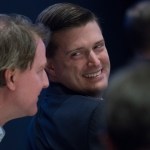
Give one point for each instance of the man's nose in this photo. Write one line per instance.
(93, 59)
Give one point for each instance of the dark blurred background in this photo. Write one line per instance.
(111, 15)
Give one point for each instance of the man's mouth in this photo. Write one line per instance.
(93, 74)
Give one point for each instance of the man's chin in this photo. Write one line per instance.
(33, 111)
(94, 92)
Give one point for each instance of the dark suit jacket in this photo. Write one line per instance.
(66, 121)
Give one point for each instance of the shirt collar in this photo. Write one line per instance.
(2, 133)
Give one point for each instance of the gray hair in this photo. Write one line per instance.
(18, 42)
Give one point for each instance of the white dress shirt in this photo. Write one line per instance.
(2, 133)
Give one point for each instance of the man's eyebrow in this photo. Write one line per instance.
(43, 65)
(101, 41)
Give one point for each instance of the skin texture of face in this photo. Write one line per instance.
(29, 83)
(81, 62)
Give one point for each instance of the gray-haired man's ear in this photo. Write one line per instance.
(10, 78)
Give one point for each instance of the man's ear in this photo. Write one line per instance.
(50, 68)
(10, 78)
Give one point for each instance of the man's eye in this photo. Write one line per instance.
(75, 54)
(99, 46)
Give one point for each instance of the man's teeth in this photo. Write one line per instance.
(91, 75)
